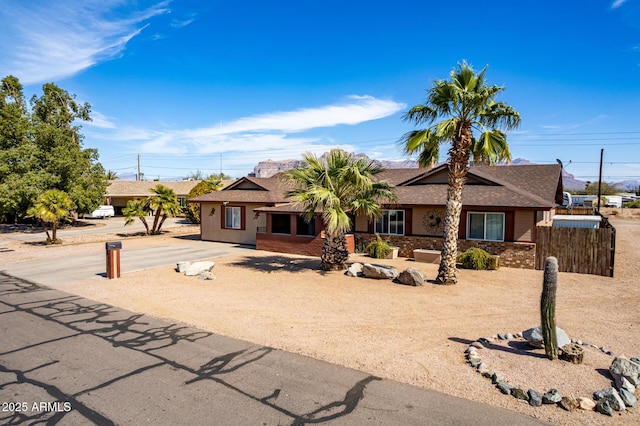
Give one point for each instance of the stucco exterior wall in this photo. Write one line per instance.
(211, 224)
(428, 221)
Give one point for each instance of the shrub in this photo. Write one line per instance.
(378, 248)
(477, 258)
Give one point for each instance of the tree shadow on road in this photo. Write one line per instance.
(75, 317)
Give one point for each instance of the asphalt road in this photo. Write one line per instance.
(72, 361)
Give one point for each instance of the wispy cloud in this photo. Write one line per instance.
(52, 40)
(283, 131)
(617, 3)
(100, 121)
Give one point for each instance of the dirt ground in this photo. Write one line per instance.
(415, 335)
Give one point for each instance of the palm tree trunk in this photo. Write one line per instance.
(334, 252)
(155, 229)
(164, 217)
(459, 155)
(144, 222)
(54, 232)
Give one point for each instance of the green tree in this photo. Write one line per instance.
(605, 189)
(41, 149)
(164, 202)
(192, 211)
(137, 209)
(335, 189)
(53, 206)
(465, 104)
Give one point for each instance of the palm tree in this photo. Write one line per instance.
(139, 209)
(466, 104)
(52, 207)
(111, 175)
(164, 202)
(341, 186)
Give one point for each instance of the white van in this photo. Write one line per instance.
(103, 212)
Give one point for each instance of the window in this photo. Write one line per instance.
(280, 224)
(485, 226)
(391, 223)
(182, 201)
(304, 228)
(233, 217)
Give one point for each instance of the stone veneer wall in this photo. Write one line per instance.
(512, 254)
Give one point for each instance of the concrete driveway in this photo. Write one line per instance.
(80, 267)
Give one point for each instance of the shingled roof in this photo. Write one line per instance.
(142, 188)
(526, 186)
(251, 190)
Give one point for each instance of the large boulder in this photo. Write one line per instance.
(197, 268)
(622, 367)
(379, 272)
(534, 337)
(412, 276)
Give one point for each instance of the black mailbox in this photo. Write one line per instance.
(113, 245)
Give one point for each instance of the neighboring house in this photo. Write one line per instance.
(501, 208)
(119, 192)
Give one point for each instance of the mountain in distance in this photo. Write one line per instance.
(269, 168)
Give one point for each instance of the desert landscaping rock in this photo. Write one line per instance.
(534, 337)
(535, 399)
(612, 397)
(504, 388)
(354, 270)
(604, 407)
(497, 378)
(569, 403)
(623, 383)
(197, 268)
(182, 266)
(628, 398)
(551, 397)
(379, 272)
(508, 336)
(519, 393)
(623, 367)
(586, 404)
(206, 275)
(412, 277)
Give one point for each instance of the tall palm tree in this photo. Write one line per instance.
(472, 121)
(51, 207)
(139, 209)
(335, 188)
(164, 202)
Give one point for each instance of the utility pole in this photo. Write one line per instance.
(138, 176)
(600, 179)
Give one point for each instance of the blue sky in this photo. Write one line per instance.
(221, 85)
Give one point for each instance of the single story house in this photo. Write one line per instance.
(501, 208)
(119, 192)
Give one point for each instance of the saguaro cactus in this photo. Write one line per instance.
(548, 307)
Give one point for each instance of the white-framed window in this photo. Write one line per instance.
(485, 226)
(390, 223)
(233, 217)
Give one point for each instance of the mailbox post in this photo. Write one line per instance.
(113, 259)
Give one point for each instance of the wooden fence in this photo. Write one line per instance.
(580, 250)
